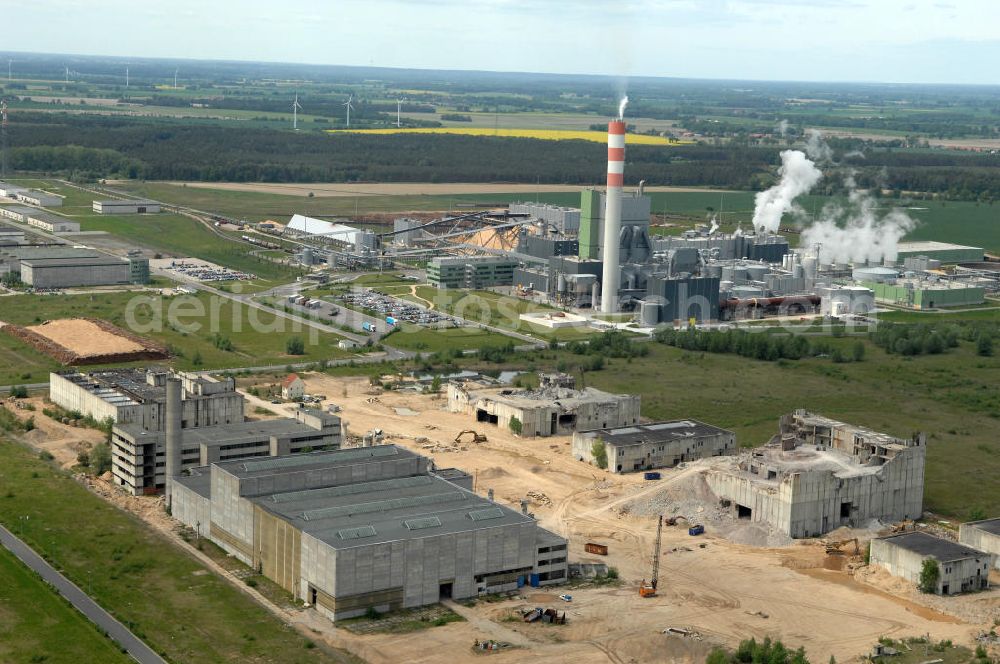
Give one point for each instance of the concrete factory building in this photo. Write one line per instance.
(126, 207)
(944, 252)
(367, 528)
(961, 568)
(983, 535)
(473, 272)
(10, 236)
(656, 445)
(555, 408)
(818, 474)
(138, 397)
(139, 455)
(840, 300)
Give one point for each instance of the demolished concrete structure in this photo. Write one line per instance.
(819, 474)
(655, 445)
(555, 408)
(983, 535)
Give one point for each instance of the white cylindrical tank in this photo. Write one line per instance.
(595, 295)
(877, 274)
(561, 284)
(649, 313)
(809, 267)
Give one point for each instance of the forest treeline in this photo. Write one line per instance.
(88, 146)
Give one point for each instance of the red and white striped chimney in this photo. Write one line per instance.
(613, 216)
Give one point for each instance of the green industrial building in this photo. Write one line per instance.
(473, 272)
(920, 294)
(941, 251)
(635, 212)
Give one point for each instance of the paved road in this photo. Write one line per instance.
(79, 599)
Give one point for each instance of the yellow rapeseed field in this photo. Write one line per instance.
(543, 134)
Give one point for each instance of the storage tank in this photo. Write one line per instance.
(809, 267)
(649, 313)
(756, 272)
(595, 296)
(713, 270)
(561, 284)
(877, 274)
(307, 256)
(747, 292)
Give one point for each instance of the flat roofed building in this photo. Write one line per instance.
(366, 528)
(549, 410)
(52, 223)
(983, 535)
(139, 455)
(75, 272)
(961, 568)
(656, 445)
(11, 236)
(40, 198)
(126, 207)
(945, 252)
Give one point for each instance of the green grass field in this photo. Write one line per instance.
(20, 363)
(171, 601)
(257, 338)
(425, 340)
(38, 625)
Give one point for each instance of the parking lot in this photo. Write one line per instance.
(398, 309)
(195, 269)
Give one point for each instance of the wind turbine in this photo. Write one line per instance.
(295, 112)
(175, 79)
(126, 76)
(349, 107)
(9, 63)
(399, 107)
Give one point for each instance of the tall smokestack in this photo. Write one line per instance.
(173, 433)
(613, 215)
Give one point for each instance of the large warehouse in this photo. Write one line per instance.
(555, 408)
(367, 528)
(46, 221)
(983, 535)
(818, 474)
(126, 207)
(960, 568)
(654, 445)
(941, 251)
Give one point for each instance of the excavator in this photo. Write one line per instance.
(833, 548)
(476, 436)
(649, 589)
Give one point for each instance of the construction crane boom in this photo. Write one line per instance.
(649, 589)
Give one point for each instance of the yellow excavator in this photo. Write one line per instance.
(649, 589)
(476, 436)
(834, 548)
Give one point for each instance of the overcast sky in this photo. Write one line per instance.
(822, 40)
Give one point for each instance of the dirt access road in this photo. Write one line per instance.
(724, 591)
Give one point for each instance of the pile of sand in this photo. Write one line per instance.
(85, 338)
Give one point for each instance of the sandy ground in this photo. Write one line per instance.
(85, 338)
(723, 591)
(398, 189)
(62, 441)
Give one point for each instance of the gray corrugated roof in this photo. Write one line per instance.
(391, 511)
(225, 434)
(96, 261)
(937, 547)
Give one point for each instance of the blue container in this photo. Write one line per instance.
(520, 581)
(651, 476)
(534, 581)
(696, 530)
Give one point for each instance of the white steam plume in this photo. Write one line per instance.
(798, 175)
(622, 103)
(816, 147)
(855, 233)
(783, 127)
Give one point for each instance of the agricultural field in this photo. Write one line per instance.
(38, 625)
(540, 134)
(170, 600)
(202, 331)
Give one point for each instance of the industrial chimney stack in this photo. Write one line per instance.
(173, 433)
(613, 215)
